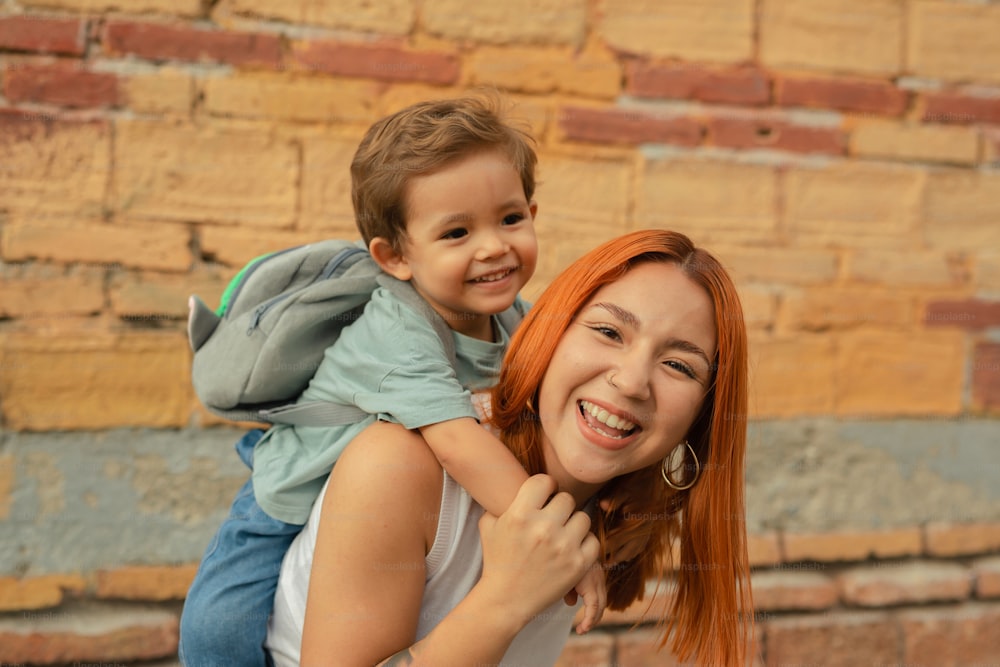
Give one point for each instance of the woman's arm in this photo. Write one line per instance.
(379, 519)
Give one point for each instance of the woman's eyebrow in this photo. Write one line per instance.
(619, 313)
(631, 319)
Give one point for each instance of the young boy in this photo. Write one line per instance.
(442, 193)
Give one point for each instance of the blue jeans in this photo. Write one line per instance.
(224, 622)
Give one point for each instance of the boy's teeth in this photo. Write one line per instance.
(605, 417)
(492, 277)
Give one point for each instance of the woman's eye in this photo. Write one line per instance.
(607, 332)
(513, 218)
(682, 367)
(456, 233)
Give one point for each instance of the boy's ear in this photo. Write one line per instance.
(388, 259)
(533, 207)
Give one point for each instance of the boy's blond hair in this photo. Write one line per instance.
(420, 139)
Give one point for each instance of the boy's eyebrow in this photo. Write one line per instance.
(463, 216)
(630, 318)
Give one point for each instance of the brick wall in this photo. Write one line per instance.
(840, 157)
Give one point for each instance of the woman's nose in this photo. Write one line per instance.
(630, 376)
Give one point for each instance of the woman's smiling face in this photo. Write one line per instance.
(628, 377)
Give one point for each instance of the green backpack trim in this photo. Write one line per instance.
(234, 284)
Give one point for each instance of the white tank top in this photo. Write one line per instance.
(453, 566)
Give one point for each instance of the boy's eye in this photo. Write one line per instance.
(513, 218)
(456, 233)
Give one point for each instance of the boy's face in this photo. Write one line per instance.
(470, 244)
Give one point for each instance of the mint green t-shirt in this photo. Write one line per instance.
(391, 364)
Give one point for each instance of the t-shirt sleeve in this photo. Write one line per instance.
(391, 363)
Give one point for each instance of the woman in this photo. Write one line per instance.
(626, 385)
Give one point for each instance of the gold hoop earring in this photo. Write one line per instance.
(666, 469)
(530, 404)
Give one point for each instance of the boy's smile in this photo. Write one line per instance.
(471, 243)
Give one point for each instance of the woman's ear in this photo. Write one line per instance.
(388, 259)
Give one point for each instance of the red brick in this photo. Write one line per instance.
(967, 314)
(620, 126)
(986, 375)
(774, 134)
(886, 584)
(952, 107)
(779, 590)
(951, 636)
(159, 41)
(724, 86)
(986, 572)
(62, 84)
(377, 62)
(88, 634)
(963, 539)
(832, 640)
(590, 650)
(877, 97)
(44, 35)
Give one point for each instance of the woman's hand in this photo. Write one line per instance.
(537, 550)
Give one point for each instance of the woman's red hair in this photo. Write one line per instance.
(710, 620)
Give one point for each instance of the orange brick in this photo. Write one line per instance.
(907, 268)
(42, 289)
(135, 296)
(161, 247)
(393, 17)
(900, 374)
(590, 650)
(954, 41)
(37, 592)
(166, 91)
(710, 200)
(549, 21)
(53, 166)
(712, 31)
(832, 35)
(951, 636)
(326, 186)
(915, 143)
(791, 377)
(777, 264)
(763, 549)
(206, 173)
(544, 71)
(886, 584)
(760, 305)
(107, 634)
(961, 209)
(853, 204)
(779, 590)
(962, 539)
(833, 308)
(294, 97)
(986, 573)
(176, 7)
(853, 545)
(87, 378)
(835, 638)
(146, 582)
(235, 246)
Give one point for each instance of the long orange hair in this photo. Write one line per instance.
(710, 619)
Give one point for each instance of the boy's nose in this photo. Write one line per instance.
(492, 245)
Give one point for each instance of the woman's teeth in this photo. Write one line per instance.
(608, 419)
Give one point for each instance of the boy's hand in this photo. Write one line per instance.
(595, 597)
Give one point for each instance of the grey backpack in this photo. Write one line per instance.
(255, 355)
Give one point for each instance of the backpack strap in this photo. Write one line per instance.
(322, 413)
